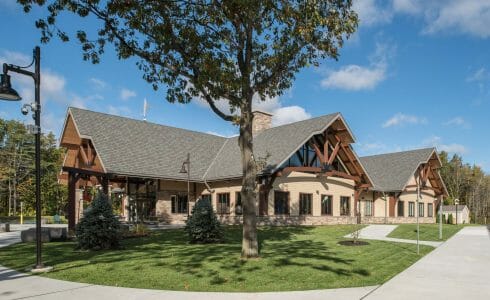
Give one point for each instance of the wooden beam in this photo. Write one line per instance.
(319, 153)
(424, 188)
(84, 155)
(288, 170)
(85, 171)
(335, 173)
(351, 158)
(334, 154)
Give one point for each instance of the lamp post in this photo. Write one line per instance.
(188, 171)
(440, 217)
(456, 201)
(9, 94)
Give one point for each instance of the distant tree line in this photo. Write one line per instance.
(17, 171)
(469, 184)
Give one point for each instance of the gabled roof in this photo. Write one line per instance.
(392, 171)
(275, 144)
(452, 208)
(138, 148)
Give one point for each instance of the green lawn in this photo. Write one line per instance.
(428, 232)
(292, 258)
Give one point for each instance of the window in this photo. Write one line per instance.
(430, 210)
(344, 206)
(421, 209)
(368, 209)
(401, 208)
(179, 204)
(281, 203)
(238, 203)
(327, 205)
(411, 209)
(305, 202)
(223, 203)
(206, 197)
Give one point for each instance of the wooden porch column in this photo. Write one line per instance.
(72, 181)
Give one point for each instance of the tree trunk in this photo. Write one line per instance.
(250, 246)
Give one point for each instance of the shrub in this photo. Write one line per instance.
(444, 219)
(99, 228)
(203, 225)
(450, 219)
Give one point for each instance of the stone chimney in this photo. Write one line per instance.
(261, 121)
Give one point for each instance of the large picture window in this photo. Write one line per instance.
(401, 208)
(344, 206)
(179, 204)
(327, 205)
(281, 203)
(430, 210)
(421, 209)
(223, 203)
(368, 209)
(305, 203)
(411, 209)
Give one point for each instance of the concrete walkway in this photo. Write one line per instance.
(458, 269)
(380, 232)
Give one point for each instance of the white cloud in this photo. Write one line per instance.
(436, 141)
(370, 12)
(465, 16)
(400, 119)
(289, 114)
(221, 134)
(126, 94)
(470, 17)
(458, 121)
(478, 76)
(98, 83)
(280, 114)
(355, 77)
(118, 110)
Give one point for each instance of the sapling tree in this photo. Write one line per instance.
(216, 50)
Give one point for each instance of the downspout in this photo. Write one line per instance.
(386, 208)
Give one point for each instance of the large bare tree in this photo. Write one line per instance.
(218, 50)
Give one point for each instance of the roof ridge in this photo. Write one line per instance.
(147, 122)
(398, 152)
(215, 158)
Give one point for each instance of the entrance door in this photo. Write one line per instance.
(391, 206)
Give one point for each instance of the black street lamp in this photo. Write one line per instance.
(9, 94)
(188, 171)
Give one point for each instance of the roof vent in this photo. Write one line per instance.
(261, 121)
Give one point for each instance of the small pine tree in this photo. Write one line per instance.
(450, 219)
(444, 219)
(437, 218)
(203, 225)
(99, 228)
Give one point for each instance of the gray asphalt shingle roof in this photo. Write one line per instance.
(138, 148)
(391, 171)
(452, 208)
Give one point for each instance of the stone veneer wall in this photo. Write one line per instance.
(310, 220)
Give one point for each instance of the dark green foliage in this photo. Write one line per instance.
(450, 219)
(444, 219)
(203, 226)
(99, 228)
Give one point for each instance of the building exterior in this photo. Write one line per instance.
(461, 213)
(308, 172)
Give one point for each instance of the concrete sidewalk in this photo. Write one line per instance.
(380, 232)
(458, 269)
(14, 285)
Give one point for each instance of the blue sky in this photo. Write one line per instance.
(416, 74)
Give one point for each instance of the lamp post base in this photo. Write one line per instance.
(41, 269)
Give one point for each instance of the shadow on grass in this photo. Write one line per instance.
(169, 251)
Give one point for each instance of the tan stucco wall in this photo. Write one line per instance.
(296, 183)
